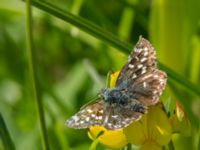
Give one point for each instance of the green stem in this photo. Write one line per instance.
(109, 38)
(129, 146)
(171, 145)
(34, 83)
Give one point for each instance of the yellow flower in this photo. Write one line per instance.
(151, 145)
(152, 131)
(112, 79)
(112, 139)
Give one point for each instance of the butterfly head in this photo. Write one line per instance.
(104, 94)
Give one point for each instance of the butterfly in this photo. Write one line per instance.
(138, 86)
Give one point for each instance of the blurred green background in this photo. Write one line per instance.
(71, 62)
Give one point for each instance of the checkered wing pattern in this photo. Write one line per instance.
(102, 114)
(119, 116)
(91, 114)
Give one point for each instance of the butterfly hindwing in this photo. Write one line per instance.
(119, 116)
(91, 114)
(149, 86)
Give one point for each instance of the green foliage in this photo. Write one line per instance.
(66, 33)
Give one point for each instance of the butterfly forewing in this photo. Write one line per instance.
(144, 81)
(142, 57)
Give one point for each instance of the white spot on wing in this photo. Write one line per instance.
(109, 124)
(127, 119)
(134, 76)
(114, 116)
(116, 126)
(124, 122)
(144, 84)
(143, 59)
(154, 92)
(143, 70)
(93, 115)
(89, 110)
(137, 50)
(147, 76)
(75, 118)
(87, 119)
(156, 76)
(145, 49)
(100, 117)
(131, 66)
(145, 53)
(136, 58)
(140, 66)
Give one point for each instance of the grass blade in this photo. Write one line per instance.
(84, 24)
(5, 136)
(181, 80)
(33, 80)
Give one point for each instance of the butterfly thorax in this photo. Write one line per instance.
(114, 96)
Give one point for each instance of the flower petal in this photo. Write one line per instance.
(113, 78)
(136, 132)
(150, 145)
(159, 127)
(153, 126)
(112, 139)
